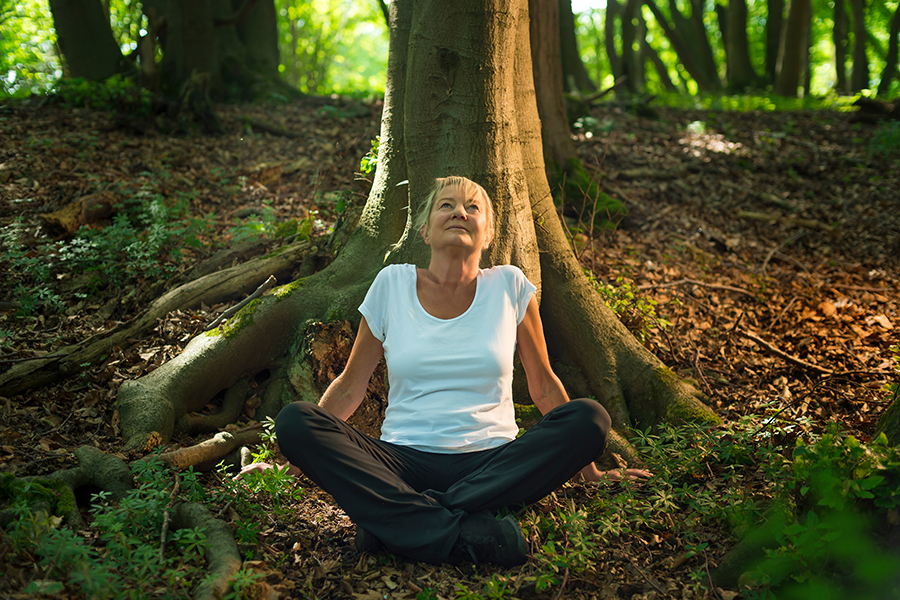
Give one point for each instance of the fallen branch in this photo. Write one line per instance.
(783, 354)
(166, 519)
(779, 218)
(715, 286)
(207, 454)
(267, 285)
(209, 290)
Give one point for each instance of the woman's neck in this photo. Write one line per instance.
(452, 271)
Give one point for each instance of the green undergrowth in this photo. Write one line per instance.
(821, 498)
(144, 242)
(754, 102)
(637, 312)
(123, 553)
(119, 93)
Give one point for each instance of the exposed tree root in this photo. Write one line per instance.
(232, 405)
(222, 555)
(207, 454)
(209, 289)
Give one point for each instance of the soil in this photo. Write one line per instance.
(769, 240)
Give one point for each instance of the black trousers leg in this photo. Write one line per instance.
(366, 478)
(522, 472)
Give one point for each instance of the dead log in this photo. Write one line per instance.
(80, 212)
(210, 289)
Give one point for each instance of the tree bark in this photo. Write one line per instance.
(839, 37)
(575, 76)
(86, 39)
(259, 34)
(890, 61)
(740, 73)
(793, 48)
(460, 99)
(859, 77)
(613, 12)
(689, 46)
(774, 23)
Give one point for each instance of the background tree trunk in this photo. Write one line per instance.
(839, 37)
(774, 24)
(689, 46)
(793, 48)
(460, 99)
(859, 77)
(890, 61)
(575, 76)
(737, 49)
(259, 34)
(613, 13)
(85, 39)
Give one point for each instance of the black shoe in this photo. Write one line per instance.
(366, 542)
(484, 539)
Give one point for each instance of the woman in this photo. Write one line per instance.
(448, 456)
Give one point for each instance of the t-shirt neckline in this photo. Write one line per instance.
(418, 303)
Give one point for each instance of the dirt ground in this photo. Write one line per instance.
(770, 242)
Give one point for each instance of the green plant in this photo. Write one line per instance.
(242, 583)
(369, 162)
(885, 142)
(118, 93)
(637, 312)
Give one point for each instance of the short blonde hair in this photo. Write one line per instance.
(470, 188)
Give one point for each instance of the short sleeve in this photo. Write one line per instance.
(374, 306)
(524, 289)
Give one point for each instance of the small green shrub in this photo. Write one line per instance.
(885, 142)
(637, 312)
(118, 93)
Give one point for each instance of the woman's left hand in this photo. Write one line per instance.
(593, 475)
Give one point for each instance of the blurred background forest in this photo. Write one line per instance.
(679, 48)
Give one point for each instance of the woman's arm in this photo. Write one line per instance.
(347, 391)
(544, 387)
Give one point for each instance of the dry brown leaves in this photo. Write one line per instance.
(815, 279)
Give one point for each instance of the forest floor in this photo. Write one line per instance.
(770, 241)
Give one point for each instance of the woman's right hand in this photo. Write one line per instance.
(262, 467)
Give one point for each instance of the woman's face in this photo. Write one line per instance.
(458, 219)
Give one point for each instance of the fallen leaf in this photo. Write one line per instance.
(881, 320)
(828, 308)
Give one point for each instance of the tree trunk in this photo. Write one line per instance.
(859, 77)
(85, 39)
(575, 76)
(890, 61)
(793, 48)
(558, 148)
(774, 24)
(740, 73)
(613, 12)
(688, 45)
(460, 99)
(662, 70)
(839, 37)
(629, 57)
(259, 34)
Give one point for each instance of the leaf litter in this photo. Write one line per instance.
(756, 234)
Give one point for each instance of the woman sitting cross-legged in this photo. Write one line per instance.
(448, 457)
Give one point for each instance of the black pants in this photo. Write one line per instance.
(414, 501)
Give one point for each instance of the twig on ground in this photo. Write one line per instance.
(781, 314)
(562, 586)
(788, 357)
(861, 288)
(165, 524)
(644, 575)
(17, 360)
(715, 286)
(265, 287)
(789, 240)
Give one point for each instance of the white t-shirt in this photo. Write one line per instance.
(450, 379)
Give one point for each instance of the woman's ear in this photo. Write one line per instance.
(424, 231)
(488, 238)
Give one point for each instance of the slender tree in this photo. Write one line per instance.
(859, 77)
(575, 76)
(460, 99)
(85, 39)
(839, 38)
(889, 73)
(793, 49)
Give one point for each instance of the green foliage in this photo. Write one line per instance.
(333, 46)
(146, 233)
(124, 559)
(28, 62)
(885, 142)
(369, 162)
(637, 312)
(754, 102)
(119, 93)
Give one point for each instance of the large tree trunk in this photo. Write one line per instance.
(85, 39)
(793, 48)
(774, 23)
(687, 36)
(839, 37)
(460, 99)
(737, 48)
(859, 77)
(890, 61)
(613, 13)
(575, 76)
